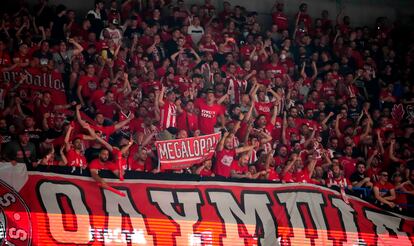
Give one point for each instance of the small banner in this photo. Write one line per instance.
(183, 153)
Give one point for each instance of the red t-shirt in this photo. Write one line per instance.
(208, 116)
(349, 165)
(138, 165)
(107, 110)
(206, 173)
(76, 159)
(385, 188)
(97, 164)
(4, 59)
(89, 85)
(98, 97)
(281, 20)
(246, 50)
(224, 161)
(273, 175)
(264, 108)
(280, 161)
(328, 90)
(116, 153)
(288, 177)
(150, 86)
(303, 176)
(237, 168)
(277, 70)
(106, 130)
(188, 122)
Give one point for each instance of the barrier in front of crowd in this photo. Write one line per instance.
(53, 208)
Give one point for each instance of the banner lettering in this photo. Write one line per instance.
(58, 209)
(183, 153)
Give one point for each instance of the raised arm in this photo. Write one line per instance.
(78, 48)
(220, 145)
(337, 131)
(223, 98)
(121, 124)
(371, 158)
(64, 161)
(244, 149)
(104, 143)
(284, 127)
(391, 152)
(380, 145)
(125, 148)
(310, 139)
(311, 167)
(314, 70)
(161, 97)
(324, 121)
(67, 137)
(275, 113)
(289, 165)
(249, 113)
(79, 94)
(197, 57)
(265, 138)
(79, 117)
(253, 92)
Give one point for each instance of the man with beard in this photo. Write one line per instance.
(53, 126)
(74, 152)
(13, 151)
(348, 162)
(295, 170)
(99, 126)
(239, 169)
(102, 163)
(226, 154)
(359, 178)
(187, 120)
(281, 156)
(336, 179)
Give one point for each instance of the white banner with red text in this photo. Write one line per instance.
(57, 209)
(183, 153)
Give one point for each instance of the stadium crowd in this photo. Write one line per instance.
(301, 99)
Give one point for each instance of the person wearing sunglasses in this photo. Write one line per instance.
(384, 192)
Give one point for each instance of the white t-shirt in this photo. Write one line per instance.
(114, 34)
(196, 33)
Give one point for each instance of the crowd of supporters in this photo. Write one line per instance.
(298, 99)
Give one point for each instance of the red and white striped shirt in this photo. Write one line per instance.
(341, 182)
(168, 115)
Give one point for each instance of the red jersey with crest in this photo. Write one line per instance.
(89, 85)
(224, 162)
